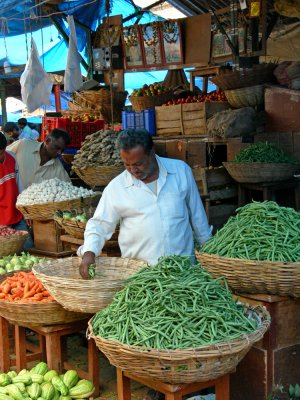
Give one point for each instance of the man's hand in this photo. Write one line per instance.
(87, 259)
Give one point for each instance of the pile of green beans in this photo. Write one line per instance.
(264, 153)
(260, 231)
(173, 305)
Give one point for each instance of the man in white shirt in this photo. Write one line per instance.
(155, 201)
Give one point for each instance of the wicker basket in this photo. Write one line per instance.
(141, 103)
(260, 172)
(62, 279)
(259, 74)
(74, 228)
(100, 100)
(10, 245)
(182, 366)
(251, 96)
(98, 175)
(250, 276)
(47, 210)
(37, 314)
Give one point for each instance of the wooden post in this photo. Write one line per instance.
(3, 101)
(4, 345)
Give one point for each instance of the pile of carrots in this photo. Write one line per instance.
(24, 287)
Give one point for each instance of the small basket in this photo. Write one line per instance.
(10, 245)
(260, 172)
(98, 175)
(251, 96)
(47, 210)
(199, 364)
(259, 74)
(250, 276)
(62, 279)
(74, 228)
(140, 103)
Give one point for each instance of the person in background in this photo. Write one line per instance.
(34, 131)
(155, 200)
(11, 132)
(26, 132)
(39, 161)
(10, 187)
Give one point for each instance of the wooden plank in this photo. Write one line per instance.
(4, 345)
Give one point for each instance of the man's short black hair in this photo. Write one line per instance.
(58, 133)
(22, 121)
(10, 126)
(3, 141)
(130, 138)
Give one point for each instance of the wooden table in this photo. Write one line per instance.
(171, 392)
(268, 190)
(49, 349)
(110, 249)
(205, 73)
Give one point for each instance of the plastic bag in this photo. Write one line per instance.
(35, 85)
(73, 78)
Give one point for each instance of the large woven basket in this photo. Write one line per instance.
(259, 74)
(141, 103)
(74, 228)
(62, 279)
(182, 366)
(37, 314)
(98, 176)
(250, 276)
(260, 172)
(251, 96)
(47, 210)
(10, 245)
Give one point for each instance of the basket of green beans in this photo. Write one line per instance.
(257, 250)
(174, 323)
(262, 162)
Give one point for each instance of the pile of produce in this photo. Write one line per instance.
(154, 89)
(173, 305)
(73, 216)
(98, 149)
(41, 383)
(16, 263)
(260, 231)
(211, 97)
(7, 231)
(24, 287)
(51, 190)
(263, 152)
(83, 117)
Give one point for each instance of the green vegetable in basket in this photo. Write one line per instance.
(261, 231)
(5, 379)
(49, 375)
(173, 305)
(263, 153)
(70, 378)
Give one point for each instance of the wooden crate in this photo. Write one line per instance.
(192, 151)
(186, 119)
(47, 237)
(276, 358)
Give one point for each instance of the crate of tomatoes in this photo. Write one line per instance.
(188, 115)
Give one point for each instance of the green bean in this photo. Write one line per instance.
(183, 307)
(259, 231)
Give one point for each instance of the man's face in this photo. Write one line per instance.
(138, 163)
(54, 147)
(14, 133)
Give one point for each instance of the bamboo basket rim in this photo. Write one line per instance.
(47, 210)
(62, 279)
(10, 245)
(249, 96)
(96, 176)
(260, 172)
(4, 239)
(253, 276)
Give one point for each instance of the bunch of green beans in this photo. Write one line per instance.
(260, 231)
(173, 305)
(264, 153)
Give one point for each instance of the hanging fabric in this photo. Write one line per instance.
(73, 78)
(35, 85)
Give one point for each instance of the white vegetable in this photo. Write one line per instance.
(51, 190)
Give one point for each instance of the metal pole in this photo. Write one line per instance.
(234, 32)
(57, 98)
(3, 101)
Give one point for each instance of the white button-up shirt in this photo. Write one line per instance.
(150, 225)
